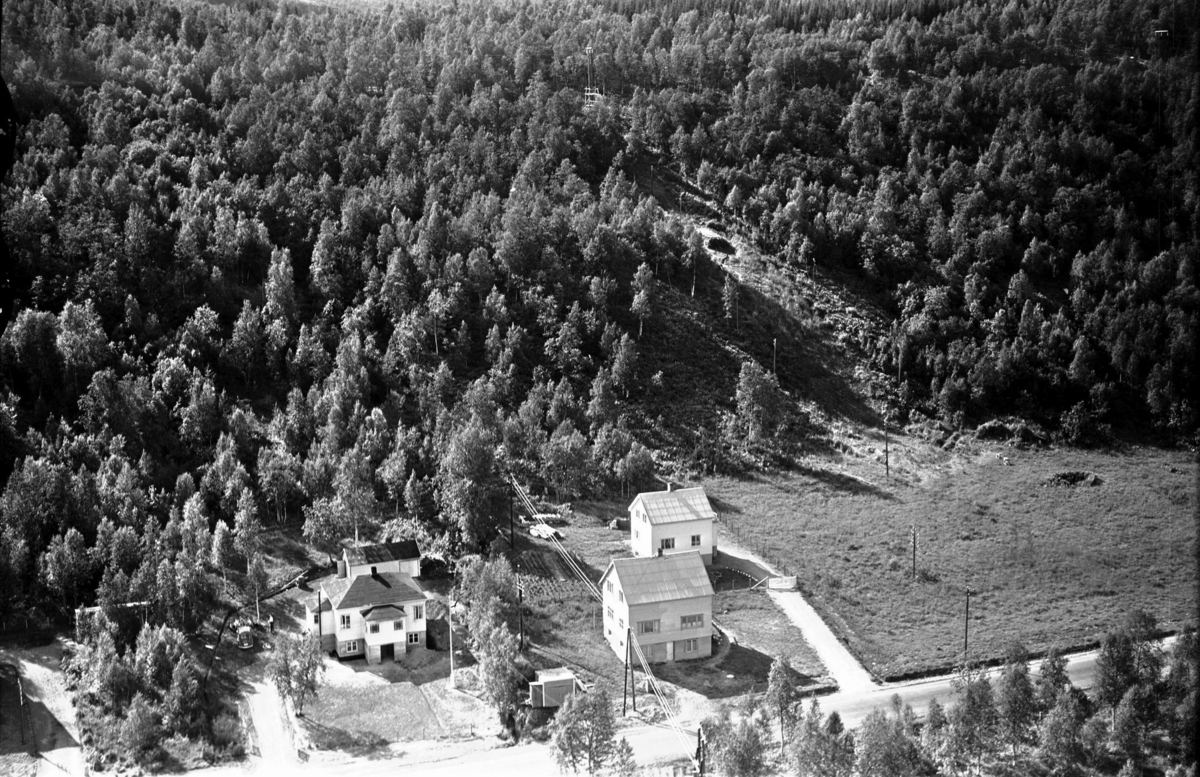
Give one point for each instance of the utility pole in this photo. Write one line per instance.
(625, 681)
(521, 613)
(512, 532)
(450, 617)
(966, 623)
(887, 464)
(912, 534)
(632, 676)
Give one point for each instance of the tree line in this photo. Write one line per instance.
(1140, 715)
(355, 265)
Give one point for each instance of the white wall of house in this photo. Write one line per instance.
(646, 539)
(671, 640)
(410, 567)
(387, 633)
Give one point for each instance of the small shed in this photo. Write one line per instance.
(552, 687)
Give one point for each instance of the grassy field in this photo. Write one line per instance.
(1047, 563)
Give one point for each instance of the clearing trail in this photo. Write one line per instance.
(272, 731)
(55, 726)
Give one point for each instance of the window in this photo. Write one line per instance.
(374, 628)
(414, 638)
(648, 627)
(667, 543)
(417, 612)
(695, 540)
(636, 534)
(352, 646)
(397, 625)
(691, 622)
(345, 623)
(608, 613)
(689, 646)
(316, 617)
(621, 623)
(610, 586)
(620, 596)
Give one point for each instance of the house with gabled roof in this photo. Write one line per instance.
(678, 520)
(663, 602)
(378, 615)
(403, 556)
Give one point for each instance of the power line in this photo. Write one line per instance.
(594, 590)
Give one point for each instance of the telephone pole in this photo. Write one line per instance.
(966, 623)
(912, 535)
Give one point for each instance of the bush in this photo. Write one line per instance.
(226, 731)
(141, 730)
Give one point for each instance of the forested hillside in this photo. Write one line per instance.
(353, 264)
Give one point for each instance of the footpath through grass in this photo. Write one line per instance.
(1047, 563)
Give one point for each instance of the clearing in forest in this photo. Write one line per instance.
(1051, 558)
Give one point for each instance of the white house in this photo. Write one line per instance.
(403, 556)
(672, 521)
(379, 615)
(663, 602)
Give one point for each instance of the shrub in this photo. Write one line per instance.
(141, 730)
(226, 731)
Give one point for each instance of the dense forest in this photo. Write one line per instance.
(352, 265)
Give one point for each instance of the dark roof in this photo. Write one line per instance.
(661, 578)
(371, 590)
(333, 590)
(386, 612)
(682, 504)
(405, 550)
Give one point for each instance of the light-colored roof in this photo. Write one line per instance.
(661, 578)
(405, 550)
(681, 504)
(550, 675)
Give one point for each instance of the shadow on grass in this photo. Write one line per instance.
(357, 743)
(843, 482)
(742, 670)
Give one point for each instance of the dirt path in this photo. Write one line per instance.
(272, 733)
(53, 714)
(839, 662)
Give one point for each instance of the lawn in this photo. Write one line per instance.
(1047, 563)
(361, 716)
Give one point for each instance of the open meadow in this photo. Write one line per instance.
(1048, 562)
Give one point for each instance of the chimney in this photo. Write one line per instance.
(670, 486)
